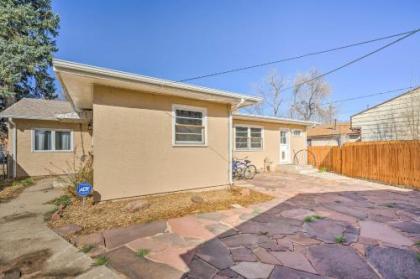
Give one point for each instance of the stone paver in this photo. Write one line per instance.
(118, 237)
(189, 227)
(339, 262)
(282, 272)
(271, 240)
(266, 257)
(253, 270)
(126, 262)
(242, 254)
(383, 232)
(294, 260)
(201, 269)
(394, 263)
(327, 231)
(407, 226)
(215, 253)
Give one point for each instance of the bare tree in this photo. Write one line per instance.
(309, 96)
(271, 92)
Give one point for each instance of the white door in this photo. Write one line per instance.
(284, 146)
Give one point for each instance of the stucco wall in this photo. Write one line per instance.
(271, 144)
(31, 163)
(133, 149)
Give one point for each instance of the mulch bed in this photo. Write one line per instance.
(112, 214)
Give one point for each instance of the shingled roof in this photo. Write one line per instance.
(40, 109)
(326, 130)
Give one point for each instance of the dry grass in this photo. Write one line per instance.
(11, 189)
(112, 214)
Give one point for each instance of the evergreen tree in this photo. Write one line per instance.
(27, 32)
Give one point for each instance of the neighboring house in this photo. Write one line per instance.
(394, 119)
(335, 134)
(146, 135)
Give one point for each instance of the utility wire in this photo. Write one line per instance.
(368, 95)
(299, 56)
(354, 60)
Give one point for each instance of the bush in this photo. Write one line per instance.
(141, 253)
(312, 218)
(64, 200)
(323, 169)
(78, 174)
(340, 239)
(101, 260)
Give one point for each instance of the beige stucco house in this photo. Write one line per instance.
(269, 141)
(394, 119)
(146, 135)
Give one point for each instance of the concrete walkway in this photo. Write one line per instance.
(322, 226)
(29, 247)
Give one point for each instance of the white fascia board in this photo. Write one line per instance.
(104, 73)
(264, 118)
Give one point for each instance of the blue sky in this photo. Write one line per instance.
(181, 39)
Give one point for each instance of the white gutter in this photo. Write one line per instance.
(230, 146)
(230, 139)
(14, 143)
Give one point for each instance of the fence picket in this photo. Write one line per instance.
(391, 162)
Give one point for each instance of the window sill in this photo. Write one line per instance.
(189, 145)
(249, 150)
(52, 151)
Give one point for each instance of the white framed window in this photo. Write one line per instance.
(249, 138)
(189, 126)
(49, 140)
(297, 132)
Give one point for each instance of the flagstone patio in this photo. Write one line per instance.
(358, 229)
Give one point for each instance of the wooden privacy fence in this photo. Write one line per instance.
(391, 162)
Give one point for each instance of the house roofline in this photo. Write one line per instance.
(100, 73)
(414, 88)
(264, 118)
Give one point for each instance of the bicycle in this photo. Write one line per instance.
(242, 168)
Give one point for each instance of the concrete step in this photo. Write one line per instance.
(300, 169)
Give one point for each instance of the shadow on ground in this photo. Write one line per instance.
(352, 234)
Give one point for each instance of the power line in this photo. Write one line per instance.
(354, 60)
(368, 95)
(298, 56)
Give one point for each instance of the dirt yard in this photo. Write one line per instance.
(112, 214)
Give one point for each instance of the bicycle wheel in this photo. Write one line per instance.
(250, 172)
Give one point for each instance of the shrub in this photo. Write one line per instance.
(312, 218)
(323, 169)
(340, 239)
(63, 200)
(101, 260)
(141, 253)
(87, 248)
(77, 174)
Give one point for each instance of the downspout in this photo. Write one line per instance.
(232, 109)
(14, 143)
